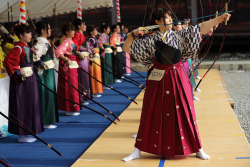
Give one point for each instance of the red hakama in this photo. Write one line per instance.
(64, 89)
(168, 124)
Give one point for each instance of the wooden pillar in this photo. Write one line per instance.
(113, 13)
(194, 11)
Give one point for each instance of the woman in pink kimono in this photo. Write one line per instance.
(68, 66)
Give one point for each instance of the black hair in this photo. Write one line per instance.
(21, 29)
(126, 27)
(176, 22)
(113, 27)
(67, 27)
(57, 43)
(52, 37)
(158, 14)
(41, 25)
(90, 29)
(77, 23)
(121, 24)
(103, 27)
(185, 21)
(5, 38)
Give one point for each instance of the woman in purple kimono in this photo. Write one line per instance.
(24, 105)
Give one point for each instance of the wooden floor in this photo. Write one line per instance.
(221, 135)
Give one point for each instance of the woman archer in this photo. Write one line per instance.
(168, 123)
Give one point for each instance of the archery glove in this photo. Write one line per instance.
(67, 61)
(43, 66)
(18, 77)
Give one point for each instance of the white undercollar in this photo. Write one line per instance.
(42, 39)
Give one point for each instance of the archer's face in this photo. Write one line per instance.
(49, 30)
(70, 34)
(94, 32)
(118, 30)
(167, 20)
(107, 30)
(26, 37)
(82, 27)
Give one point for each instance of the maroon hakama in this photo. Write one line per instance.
(168, 124)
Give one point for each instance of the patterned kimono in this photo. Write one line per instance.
(95, 70)
(24, 105)
(168, 124)
(115, 41)
(107, 77)
(84, 80)
(48, 100)
(68, 49)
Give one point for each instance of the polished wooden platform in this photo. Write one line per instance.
(221, 135)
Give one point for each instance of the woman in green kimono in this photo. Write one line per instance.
(106, 57)
(45, 72)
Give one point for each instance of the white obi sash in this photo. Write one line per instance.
(26, 71)
(50, 64)
(73, 65)
(108, 50)
(96, 56)
(86, 54)
(118, 49)
(83, 55)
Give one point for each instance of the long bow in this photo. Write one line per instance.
(203, 43)
(222, 44)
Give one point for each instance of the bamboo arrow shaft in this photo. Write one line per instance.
(116, 72)
(32, 133)
(86, 96)
(75, 102)
(116, 75)
(137, 66)
(131, 68)
(108, 86)
(4, 164)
